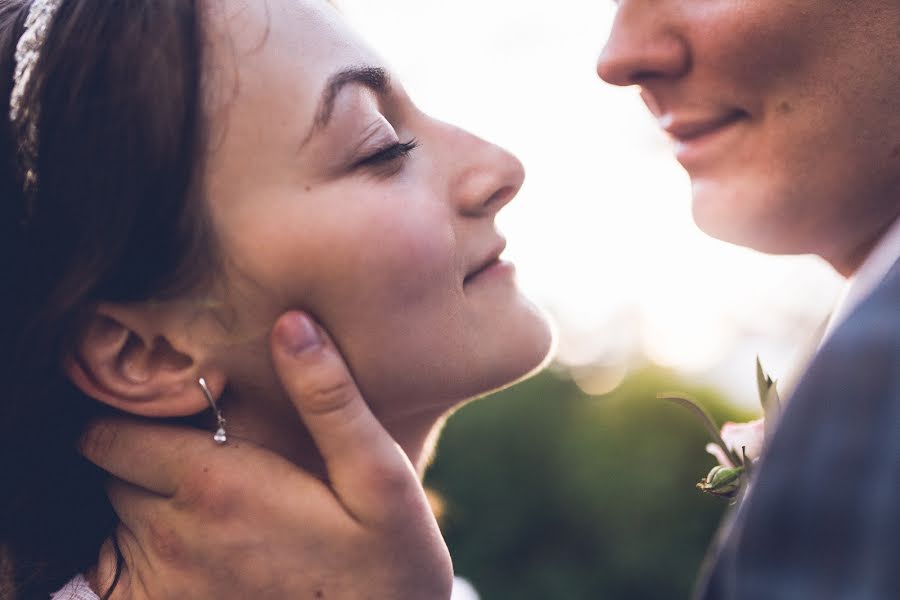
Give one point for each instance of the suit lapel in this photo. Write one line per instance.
(718, 576)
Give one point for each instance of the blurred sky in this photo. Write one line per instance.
(601, 234)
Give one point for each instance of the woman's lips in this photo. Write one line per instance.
(490, 261)
(494, 267)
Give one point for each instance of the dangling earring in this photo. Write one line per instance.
(220, 436)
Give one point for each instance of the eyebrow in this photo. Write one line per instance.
(374, 78)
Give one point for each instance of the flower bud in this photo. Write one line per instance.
(722, 481)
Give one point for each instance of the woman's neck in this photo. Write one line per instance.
(277, 427)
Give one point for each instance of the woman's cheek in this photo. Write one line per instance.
(408, 258)
(398, 309)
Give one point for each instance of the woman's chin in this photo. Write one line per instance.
(515, 350)
(524, 354)
(542, 351)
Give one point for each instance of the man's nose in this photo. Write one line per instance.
(642, 47)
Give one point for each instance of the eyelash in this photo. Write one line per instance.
(389, 154)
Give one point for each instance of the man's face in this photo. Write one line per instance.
(785, 113)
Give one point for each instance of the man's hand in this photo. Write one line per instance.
(238, 522)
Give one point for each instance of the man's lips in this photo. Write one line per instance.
(704, 138)
(685, 128)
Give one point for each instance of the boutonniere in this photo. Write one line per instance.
(737, 446)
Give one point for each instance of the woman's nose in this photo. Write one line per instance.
(487, 179)
(642, 47)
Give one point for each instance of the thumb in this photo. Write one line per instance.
(368, 471)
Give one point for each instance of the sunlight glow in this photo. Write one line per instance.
(601, 233)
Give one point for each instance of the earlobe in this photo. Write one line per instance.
(124, 358)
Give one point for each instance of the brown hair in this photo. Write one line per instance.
(114, 219)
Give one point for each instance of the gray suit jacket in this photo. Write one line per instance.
(822, 518)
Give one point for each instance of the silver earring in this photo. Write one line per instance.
(220, 436)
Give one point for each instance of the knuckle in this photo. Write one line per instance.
(390, 479)
(326, 397)
(208, 492)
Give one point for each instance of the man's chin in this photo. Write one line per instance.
(749, 219)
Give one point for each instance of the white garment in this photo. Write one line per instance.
(77, 589)
(871, 273)
(463, 590)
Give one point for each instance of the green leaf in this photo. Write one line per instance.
(705, 418)
(763, 384)
(768, 398)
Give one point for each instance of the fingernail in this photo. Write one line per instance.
(297, 334)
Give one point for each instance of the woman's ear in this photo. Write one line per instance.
(137, 359)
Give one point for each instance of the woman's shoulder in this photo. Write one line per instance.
(77, 589)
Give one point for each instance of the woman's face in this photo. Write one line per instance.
(321, 203)
(785, 113)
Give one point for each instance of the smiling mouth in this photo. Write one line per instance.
(492, 260)
(687, 129)
(704, 140)
(481, 270)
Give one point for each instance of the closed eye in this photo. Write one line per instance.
(389, 154)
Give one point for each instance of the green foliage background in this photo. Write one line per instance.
(553, 494)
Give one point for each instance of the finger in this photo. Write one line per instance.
(150, 455)
(155, 465)
(369, 472)
(179, 534)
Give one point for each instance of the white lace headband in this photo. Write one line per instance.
(25, 118)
